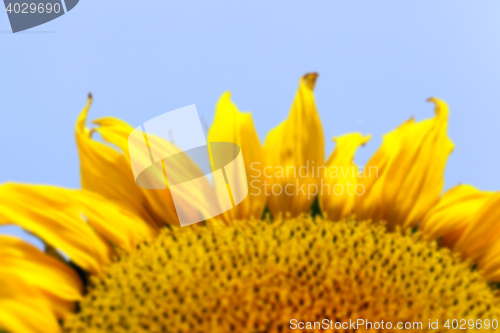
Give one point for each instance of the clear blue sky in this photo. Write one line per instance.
(378, 63)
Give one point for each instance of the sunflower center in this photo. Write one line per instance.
(261, 276)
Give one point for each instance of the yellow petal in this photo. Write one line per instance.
(231, 125)
(479, 241)
(453, 213)
(296, 144)
(118, 225)
(27, 316)
(24, 264)
(52, 215)
(483, 231)
(339, 177)
(107, 172)
(158, 202)
(404, 179)
(489, 264)
(36, 288)
(467, 219)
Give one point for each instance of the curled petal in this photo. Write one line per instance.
(181, 168)
(405, 177)
(105, 171)
(339, 177)
(231, 125)
(296, 145)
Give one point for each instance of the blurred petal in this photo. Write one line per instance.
(36, 288)
(490, 263)
(159, 202)
(28, 316)
(453, 213)
(118, 225)
(105, 171)
(231, 125)
(339, 178)
(51, 214)
(24, 264)
(480, 239)
(483, 231)
(297, 144)
(404, 179)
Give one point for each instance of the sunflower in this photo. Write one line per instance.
(315, 245)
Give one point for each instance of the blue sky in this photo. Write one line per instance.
(378, 63)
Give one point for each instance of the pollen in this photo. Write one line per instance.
(258, 276)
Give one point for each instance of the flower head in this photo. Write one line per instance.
(117, 261)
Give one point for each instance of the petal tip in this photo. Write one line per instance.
(441, 106)
(436, 101)
(367, 138)
(90, 98)
(310, 79)
(82, 117)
